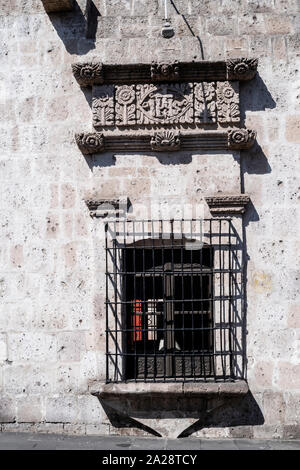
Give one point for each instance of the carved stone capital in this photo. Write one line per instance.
(101, 208)
(164, 71)
(88, 73)
(165, 141)
(227, 204)
(57, 5)
(241, 69)
(241, 138)
(90, 142)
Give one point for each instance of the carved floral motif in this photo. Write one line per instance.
(88, 73)
(164, 71)
(103, 106)
(165, 141)
(228, 102)
(90, 142)
(125, 105)
(241, 69)
(205, 102)
(241, 138)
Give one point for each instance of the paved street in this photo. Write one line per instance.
(27, 441)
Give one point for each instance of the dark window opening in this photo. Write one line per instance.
(174, 301)
(168, 319)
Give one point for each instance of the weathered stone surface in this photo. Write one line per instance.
(52, 252)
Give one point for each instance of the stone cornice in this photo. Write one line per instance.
(101, 208)
(165, 141)
(52, 6)
(227, 204)
(95, 73)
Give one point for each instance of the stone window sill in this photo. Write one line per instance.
(193, 390)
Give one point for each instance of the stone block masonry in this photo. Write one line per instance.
(52, 313)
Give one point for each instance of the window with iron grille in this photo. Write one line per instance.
(174, 303)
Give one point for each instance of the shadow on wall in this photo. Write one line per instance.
(221, 413)
(74, 26)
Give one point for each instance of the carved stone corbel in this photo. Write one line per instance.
(90, 142)
(165, 141)
(52, 6)
(88, 73)
(241, 138)
(241, 69)
(164, 71)
(227, 204)
(101, 208)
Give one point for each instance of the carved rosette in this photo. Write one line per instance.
(165, 141)
(241, 69)
(241, 138)
(88, 73)
(205, 102)
(125, 105)
(103, 106)
(90, 142)
(228, 102)
(228, 204)
(164, 71)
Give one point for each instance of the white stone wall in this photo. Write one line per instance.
(52, 339)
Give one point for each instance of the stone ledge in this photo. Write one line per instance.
(227, 204)
(95, 73)
(196, 390)
(52, 6)
(165, 141)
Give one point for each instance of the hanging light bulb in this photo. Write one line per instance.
(167, 30)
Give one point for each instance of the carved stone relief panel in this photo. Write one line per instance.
(205, 102)
(166, 103)
(228, 108)
(103, 105)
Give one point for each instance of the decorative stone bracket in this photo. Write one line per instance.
(227, 204)
(101, 208)
(165, 141)
(52, 6)
(95, 73)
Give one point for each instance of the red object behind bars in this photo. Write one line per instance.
(137, 320)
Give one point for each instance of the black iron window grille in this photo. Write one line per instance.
(174, 301)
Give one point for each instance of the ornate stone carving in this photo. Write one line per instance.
(125, 105)
(241, 69)
(57, 5)
(205, 102)
(103, 106)
(90, 142)
(164, 71)
(165, 104)
(241, 138)
(165, 141)
(228, 204)
(228, 102)
(101, 208)
(201, 71)
(88, 73)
